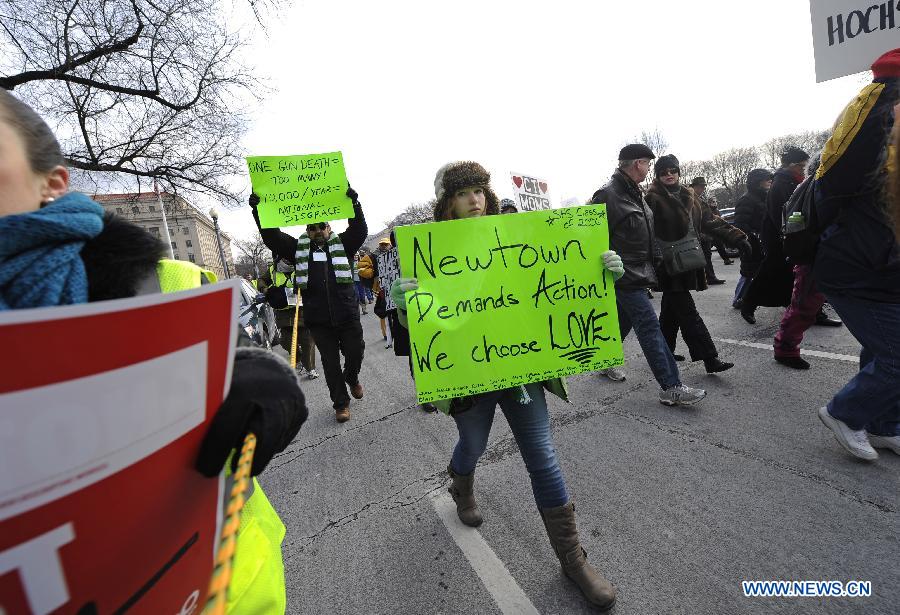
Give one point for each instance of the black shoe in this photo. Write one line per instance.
(727, 261)
(793, 362)
(428, 407)
(748, 313)
(737, 304)
(678, 357)
(716, 365)
(824, 320)
(715, 281)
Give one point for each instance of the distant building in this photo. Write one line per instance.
(192, 233)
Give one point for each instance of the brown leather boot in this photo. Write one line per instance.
(342, 414)
(563, 534)
(462, 490)
(356, 391)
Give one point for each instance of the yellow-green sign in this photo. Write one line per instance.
(300, 190)
(509, 300)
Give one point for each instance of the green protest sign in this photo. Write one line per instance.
(300, 190)
(509, 300)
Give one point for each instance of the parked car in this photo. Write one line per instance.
(257, 318)
(727, 214)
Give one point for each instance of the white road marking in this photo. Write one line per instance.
(511, 599)
(809, 353)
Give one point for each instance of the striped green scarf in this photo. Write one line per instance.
(340, 263)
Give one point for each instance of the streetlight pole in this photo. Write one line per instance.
(215, 216)
(164, 221)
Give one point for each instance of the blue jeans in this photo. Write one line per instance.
(635, 310)
(871, 400)
(360, 291)
(530, 424)
(741, 289)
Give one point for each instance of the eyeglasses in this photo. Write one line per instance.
(316, 227)
(669, 172)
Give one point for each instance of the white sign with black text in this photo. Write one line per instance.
(849, 35)
(531, 193)
(388, 271)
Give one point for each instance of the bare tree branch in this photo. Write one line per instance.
(139, 89)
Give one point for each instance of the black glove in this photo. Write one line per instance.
(265, 399)
(276, 297)
(744, 247)
(254, 199)
(352, 195)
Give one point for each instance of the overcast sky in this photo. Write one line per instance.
(550, 89)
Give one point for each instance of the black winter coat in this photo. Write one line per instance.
(630, 230)
(859, 255)
(749, 214)
(773, 281)
(325, 301)
(671, 216)
(783, 185)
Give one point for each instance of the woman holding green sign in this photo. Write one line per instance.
(462, 190)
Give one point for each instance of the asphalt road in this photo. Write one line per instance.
(675, 506)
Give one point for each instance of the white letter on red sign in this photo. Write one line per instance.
(40, 569)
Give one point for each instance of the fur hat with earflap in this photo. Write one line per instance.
(454, 176)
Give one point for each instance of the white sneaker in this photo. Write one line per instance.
(892, 443)
(681, 396)
(856, 442)
(312, 374)
(388, 344)
(616, 374)
(301, 371)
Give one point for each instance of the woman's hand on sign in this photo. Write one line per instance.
(254, 199)
(613, 263)
(399, 288)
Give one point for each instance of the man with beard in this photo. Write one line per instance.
(324, 275)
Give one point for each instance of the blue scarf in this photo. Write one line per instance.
(40, 253)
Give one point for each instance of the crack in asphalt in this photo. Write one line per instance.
(433, 482)
(506, 447)
(299, 452)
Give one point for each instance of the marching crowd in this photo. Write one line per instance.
(58, 247)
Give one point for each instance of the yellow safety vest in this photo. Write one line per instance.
(280, 279)
(257, 581)
(285, 281)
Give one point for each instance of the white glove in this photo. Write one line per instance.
(399, 289)
(613, 263)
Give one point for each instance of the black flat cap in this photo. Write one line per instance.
(636, 151)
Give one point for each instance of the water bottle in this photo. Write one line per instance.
(796, 222)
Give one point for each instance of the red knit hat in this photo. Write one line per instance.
(887, 65)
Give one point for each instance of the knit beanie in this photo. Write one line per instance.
(666, 162)
(887, 65)
(756, 177)
(454, 176)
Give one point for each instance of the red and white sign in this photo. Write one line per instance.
(531, 193)
(102, 411)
